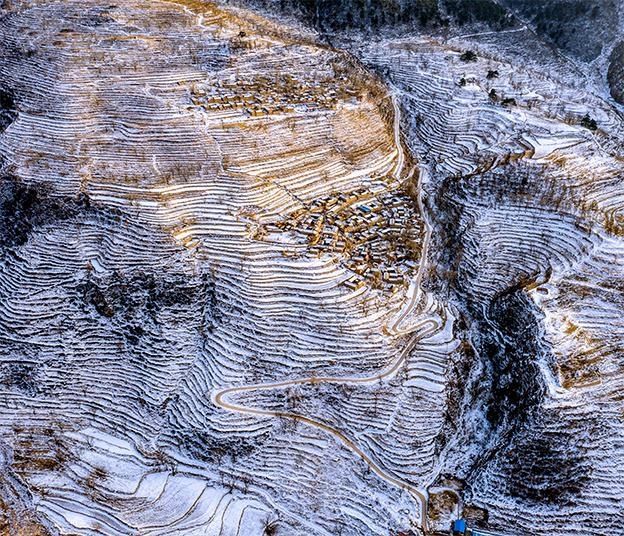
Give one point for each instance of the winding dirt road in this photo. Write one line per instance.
(419, 332)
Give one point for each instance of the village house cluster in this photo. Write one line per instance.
(264, 95)
(378, 238)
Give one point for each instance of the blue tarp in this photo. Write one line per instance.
(459, 526)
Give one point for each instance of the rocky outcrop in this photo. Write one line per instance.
(615, 73)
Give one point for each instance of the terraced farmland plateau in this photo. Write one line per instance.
(262, 278)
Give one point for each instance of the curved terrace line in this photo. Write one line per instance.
(430, 326)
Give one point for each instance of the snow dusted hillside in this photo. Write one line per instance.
(255, 284)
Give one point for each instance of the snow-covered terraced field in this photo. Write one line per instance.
(254, 284)
(526, 202)
(153, 143)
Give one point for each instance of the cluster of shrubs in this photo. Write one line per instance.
(8, 109)
(336, 15)
(357, 14)
(486, 11)
(579, 27)
(24, 207)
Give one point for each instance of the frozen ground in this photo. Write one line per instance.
(255, 284)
